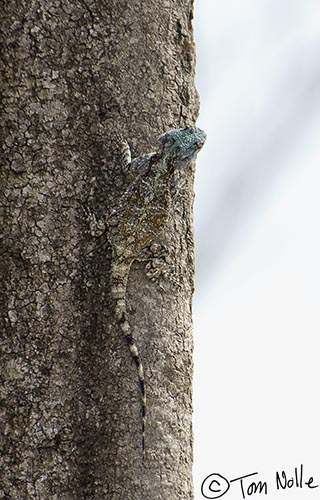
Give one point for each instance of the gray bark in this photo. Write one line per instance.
(77, 77)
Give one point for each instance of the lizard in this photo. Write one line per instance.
(139, 216)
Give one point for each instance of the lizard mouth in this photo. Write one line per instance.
(201, 140)
(198, 145)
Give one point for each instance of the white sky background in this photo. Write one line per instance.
(257, 211)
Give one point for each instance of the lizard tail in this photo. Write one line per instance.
(119, 276)
(125, 327)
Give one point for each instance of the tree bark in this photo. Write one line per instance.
(78, 77)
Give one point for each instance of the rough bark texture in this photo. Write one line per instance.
(76, 77)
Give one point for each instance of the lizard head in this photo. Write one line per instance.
(181, 145)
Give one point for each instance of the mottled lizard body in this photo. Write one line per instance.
(139, 217)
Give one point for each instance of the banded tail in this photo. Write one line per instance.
(119, 278)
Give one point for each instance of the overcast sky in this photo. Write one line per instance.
(257, 211)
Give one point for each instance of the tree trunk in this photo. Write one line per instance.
(79, 77)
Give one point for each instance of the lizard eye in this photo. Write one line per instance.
(166, 139)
